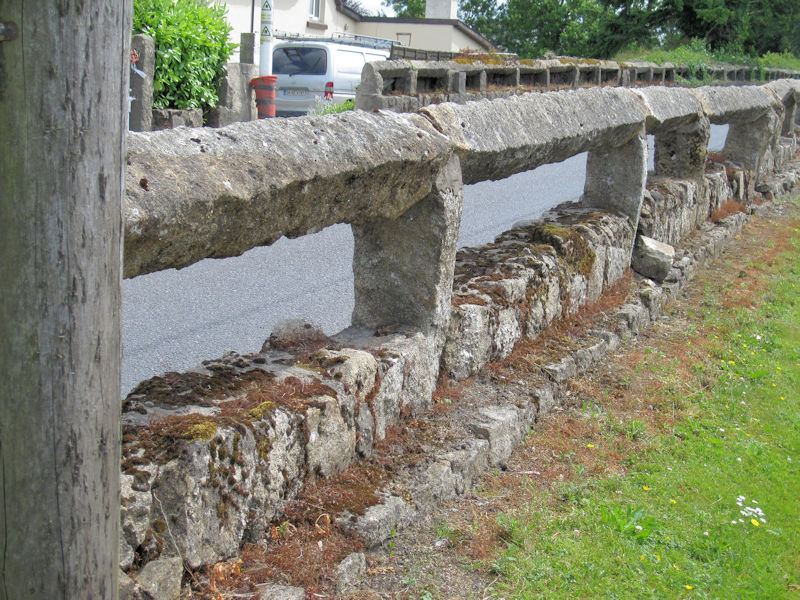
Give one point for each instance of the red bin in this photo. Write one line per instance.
(265, 95)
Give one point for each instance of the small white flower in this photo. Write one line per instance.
(738, 459)
(733, 522)
(763, 520)
(722, 430)
(705, 533)
(754, 501)
(638, 528)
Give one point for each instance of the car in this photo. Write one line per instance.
(313, 71)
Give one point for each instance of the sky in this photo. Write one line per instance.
(374, 7)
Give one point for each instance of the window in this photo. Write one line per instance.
(314, 8)
(299, 61)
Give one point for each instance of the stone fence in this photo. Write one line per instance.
(407, 85)
(214, 455)
(236, 100)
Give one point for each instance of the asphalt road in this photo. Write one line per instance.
(172, 320)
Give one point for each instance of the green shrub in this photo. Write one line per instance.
(326, 107)
(192, 47)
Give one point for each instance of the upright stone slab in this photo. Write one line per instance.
(616, 177)
(681, 131)
(248, 48)
(236, 97)
(682, 152)
(752, 113)
(403, 267)
(141, 116)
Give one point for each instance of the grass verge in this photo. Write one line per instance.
(685, 460)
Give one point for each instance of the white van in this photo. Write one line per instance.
(310, 70)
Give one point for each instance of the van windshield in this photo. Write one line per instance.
(299, 61)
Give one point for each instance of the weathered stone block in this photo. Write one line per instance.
(193, 194)
(236, 96)
(616, 176)
(652, 258)
(498, 139)
(395, 286)
(350, 570)
(382, 521)
(503, 427)
(271, 591)
(161, 579)
(172, 118)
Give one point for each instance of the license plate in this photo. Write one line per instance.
(295, 92)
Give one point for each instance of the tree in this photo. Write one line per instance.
(406, 8)
(63, 97)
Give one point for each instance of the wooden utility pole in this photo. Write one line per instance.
(63, 107)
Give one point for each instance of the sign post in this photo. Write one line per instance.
(265, 63)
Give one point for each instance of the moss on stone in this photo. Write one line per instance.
(159, 525)
(568, 243)
(200, 431)
(262, 410)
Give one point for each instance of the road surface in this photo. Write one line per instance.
(172, 320)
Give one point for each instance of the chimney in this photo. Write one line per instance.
(441, 9)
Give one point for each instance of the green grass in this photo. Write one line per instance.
(697, 57)
(672, 527)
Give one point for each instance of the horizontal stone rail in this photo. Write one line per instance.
(212, 456)
(195, 193)
(407, 86)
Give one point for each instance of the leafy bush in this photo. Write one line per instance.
(327, 107)
(192, 47)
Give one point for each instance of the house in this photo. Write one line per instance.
(439, 30)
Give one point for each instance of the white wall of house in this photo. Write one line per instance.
(295, 16)
(421, 35)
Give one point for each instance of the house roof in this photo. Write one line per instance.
(462, 27)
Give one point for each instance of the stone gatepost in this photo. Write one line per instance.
(237, 100)
(616, 177)
(141, 117)
(403, 267)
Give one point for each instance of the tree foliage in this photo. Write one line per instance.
(600, 28)
(406, 8)
(192, 47)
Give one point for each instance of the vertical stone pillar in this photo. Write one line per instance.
(141, 118)
(682, 152)
(616, 177)
(236, 96)
(403, 267)
(248, 49)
